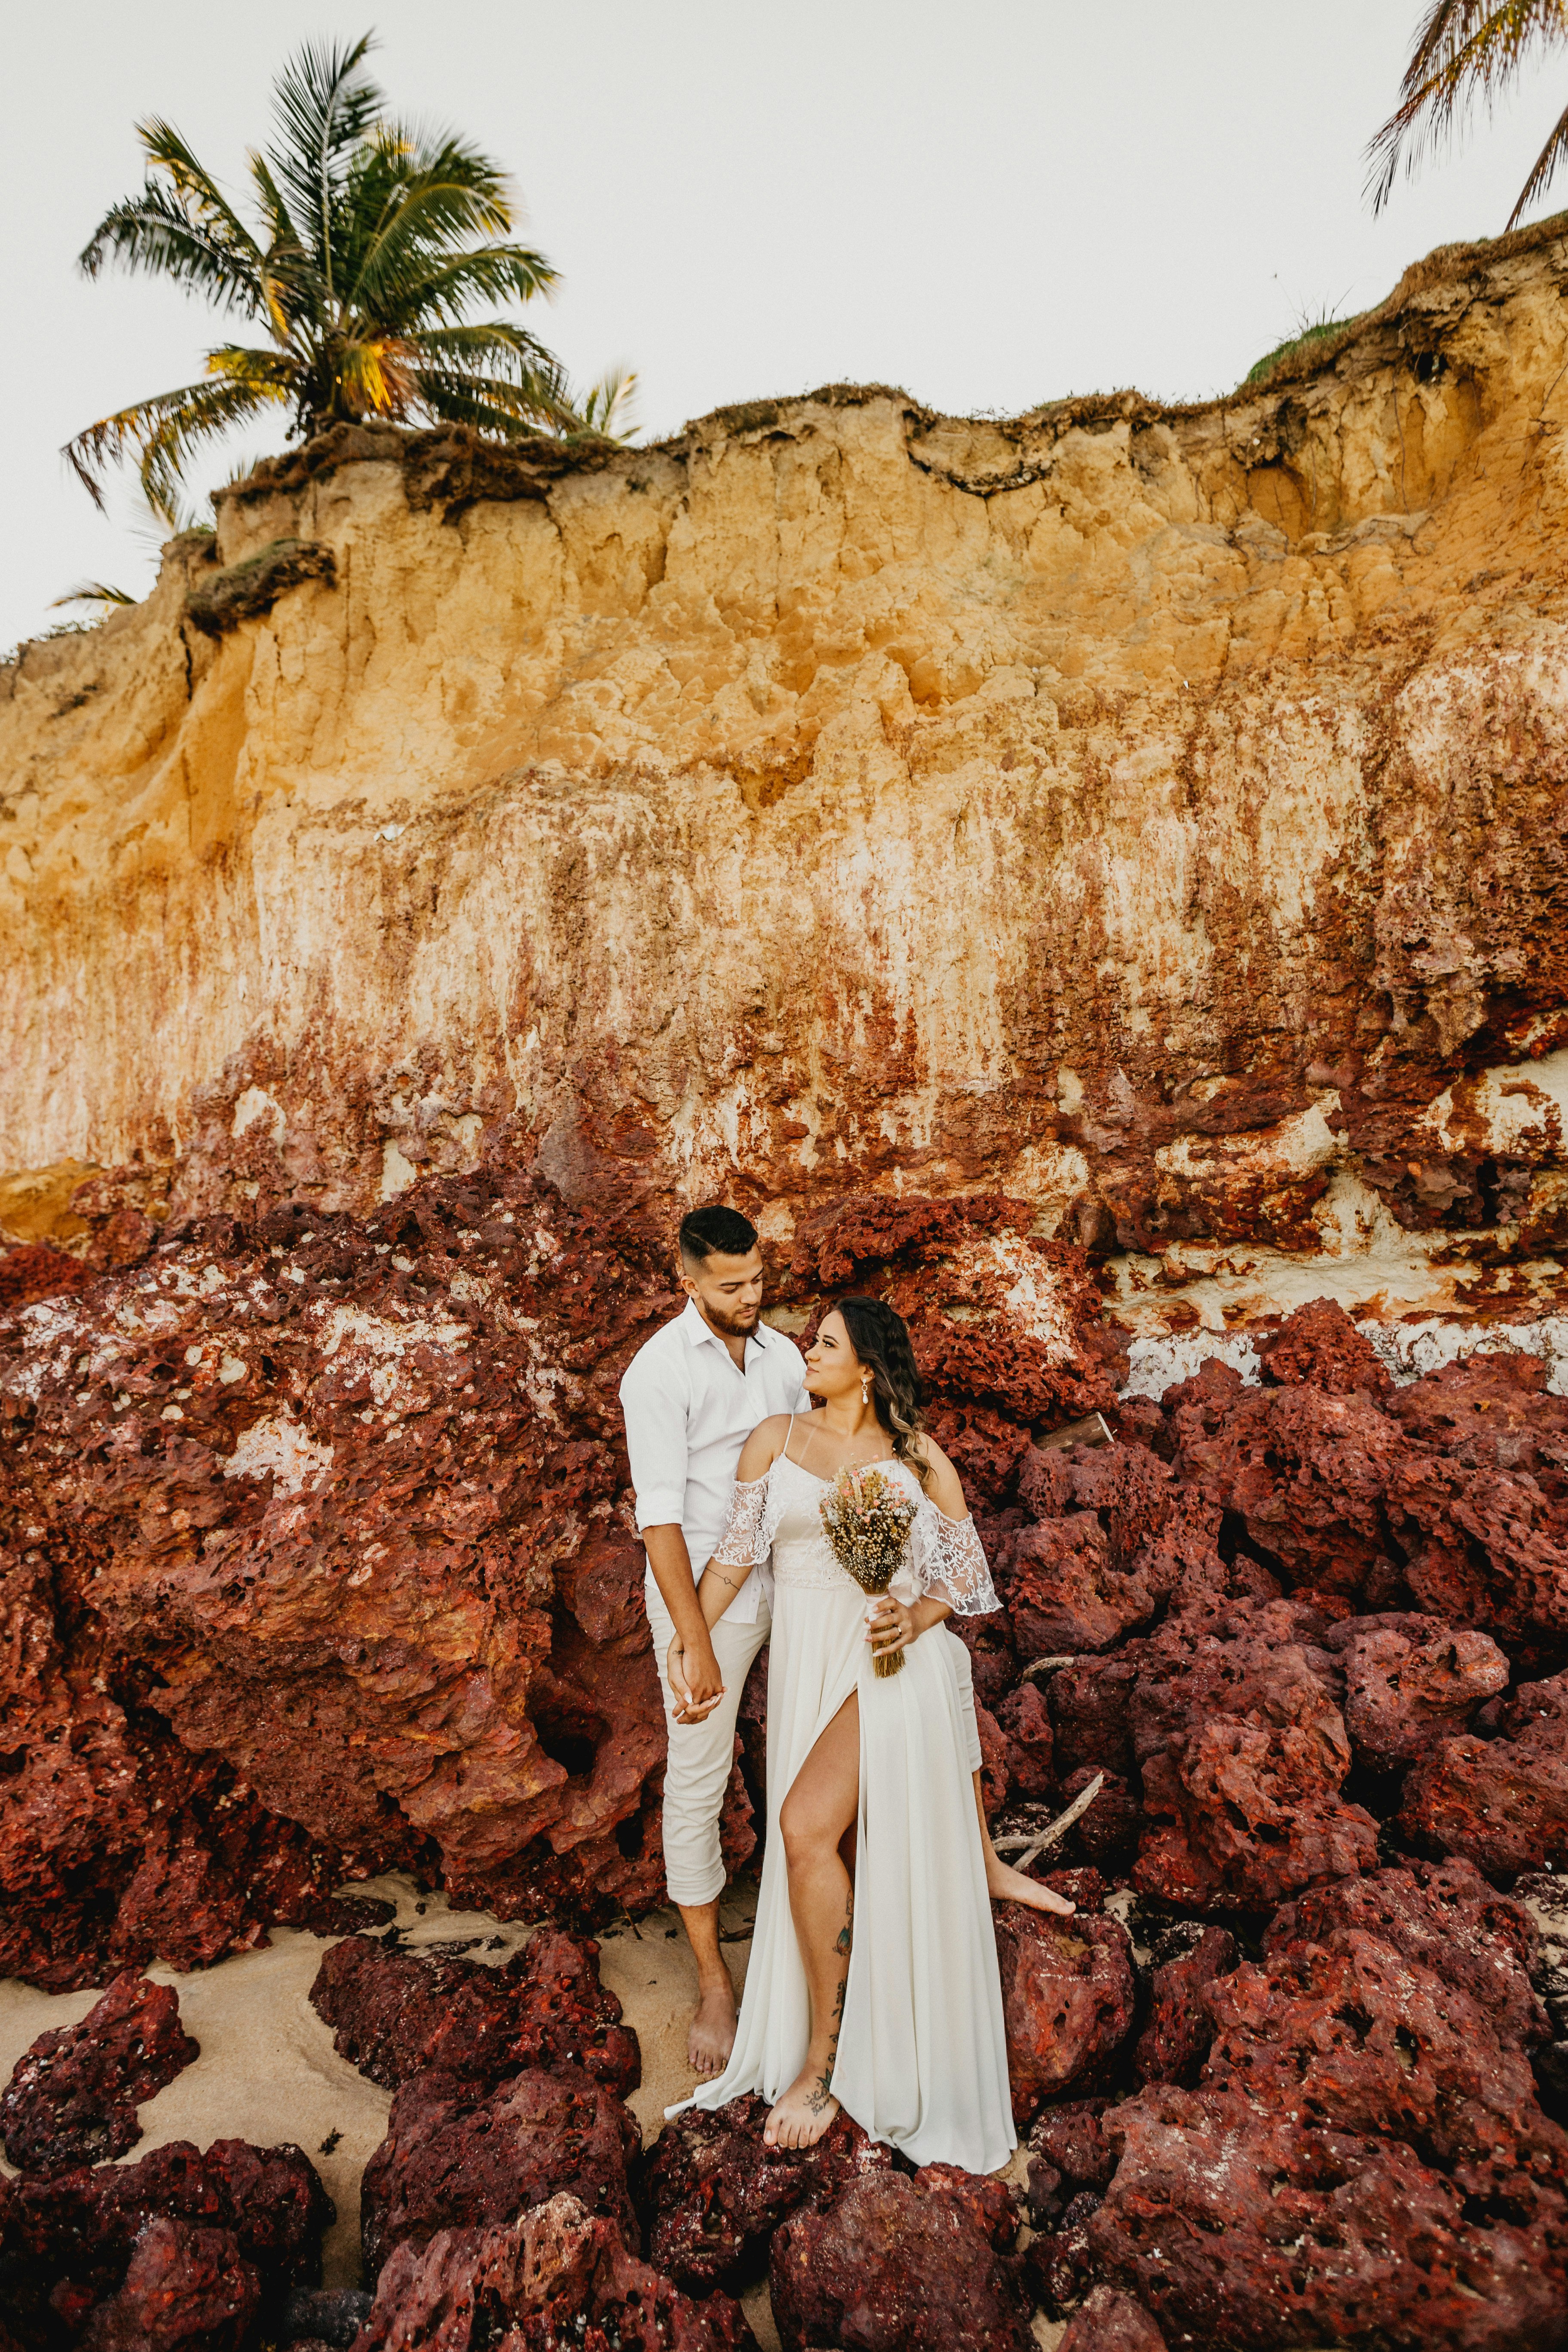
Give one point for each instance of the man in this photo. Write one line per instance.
(691, 1397)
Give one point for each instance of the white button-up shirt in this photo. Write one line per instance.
(688, 1411)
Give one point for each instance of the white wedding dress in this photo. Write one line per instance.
(922, 2054)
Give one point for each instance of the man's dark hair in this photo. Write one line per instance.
(718, 1228)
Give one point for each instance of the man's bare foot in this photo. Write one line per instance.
(713, 2034)
(804, 2112)
(1004, 1885)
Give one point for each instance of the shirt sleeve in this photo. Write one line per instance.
(654, 1408)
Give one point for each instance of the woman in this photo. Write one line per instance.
(879, 1994)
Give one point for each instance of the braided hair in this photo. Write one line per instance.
(880, 1338)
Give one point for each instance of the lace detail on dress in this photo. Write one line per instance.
(950, 1562)
(748, 1536)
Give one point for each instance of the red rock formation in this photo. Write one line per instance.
(1410, 1682)
(1109, 2322)
(72, 2096)
(1175, 2040)
(1067, 1994)
(395, 2013)
(716, 2192)
(68, 2244)
(1443, 1915)
(557, 2277)
(899, 2265)
(456, 2158)
(1502, 1803)
(1243, 1752)
(272, 1459)
(184, 2286)
(1242, 2227)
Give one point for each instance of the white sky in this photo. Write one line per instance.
(991, 204)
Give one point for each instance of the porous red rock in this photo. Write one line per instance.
(1090, 1711)
(456, 2159)
(275, 1447)
(1306, 1471)
(395, 2013)
(1245, 2229)
(1106, 1833)
(1026, 1726)
(66, 2242)
(184, 2286)
(1068, 2151)
(552, 2280)
(1108, 2321)
(1067, 1994)
(1501, 1803)
(1410, 1681)
(1114, 1536)
(1317, 1346)
(1484, 1548)
(715, 2192)
(1243, 1751)
(73, 2094)
(1490, 1411)
(1059, 2263)
(1175, 2039)
(902, 2264)
(1441, 1914)
(1352, 2036)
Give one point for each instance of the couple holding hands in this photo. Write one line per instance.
(873, 1982)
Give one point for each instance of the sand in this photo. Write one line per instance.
(268, 2071)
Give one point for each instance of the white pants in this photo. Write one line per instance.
(701, 1755)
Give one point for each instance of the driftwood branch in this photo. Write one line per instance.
(1092, 1430)
(1033, 1846)
(1046, 1666)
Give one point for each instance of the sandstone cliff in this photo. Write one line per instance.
(1157, 813)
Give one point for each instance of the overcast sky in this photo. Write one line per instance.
(990, 204)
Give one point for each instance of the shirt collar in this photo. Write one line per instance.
(698, 1332)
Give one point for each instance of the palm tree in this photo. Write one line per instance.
(373, 243)
(1464, 50)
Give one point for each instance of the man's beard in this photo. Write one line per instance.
(739, 1323)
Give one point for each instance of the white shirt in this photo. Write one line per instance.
(688, 1411)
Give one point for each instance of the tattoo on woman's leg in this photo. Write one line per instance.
(845, 1937)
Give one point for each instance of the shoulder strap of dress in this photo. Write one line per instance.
(788, 1434)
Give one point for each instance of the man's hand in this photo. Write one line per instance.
(695, 1680)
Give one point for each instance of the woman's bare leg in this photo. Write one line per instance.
(821, 1805)
(1005, 1885)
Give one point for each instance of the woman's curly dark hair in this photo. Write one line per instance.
(880, 1338)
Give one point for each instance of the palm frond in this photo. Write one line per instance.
(1544, 169)
(1466, 51)
(445, 286)
(409, 221)
(93, 592)
(533, 404)
(608, 409)
(164, 431)
(160, 233)
(325, 106)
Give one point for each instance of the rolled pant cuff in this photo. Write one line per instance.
(691, 1899)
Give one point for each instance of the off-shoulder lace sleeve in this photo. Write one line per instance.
(950, 1561)
(748, 1539)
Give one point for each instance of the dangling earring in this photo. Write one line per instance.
(864, 1390)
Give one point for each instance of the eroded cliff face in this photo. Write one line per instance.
(1157, 814)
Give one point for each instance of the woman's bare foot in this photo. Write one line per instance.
(713, 2034)
(804, 2112)
(1005, 1885)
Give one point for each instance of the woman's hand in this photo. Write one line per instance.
(890, 1625)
